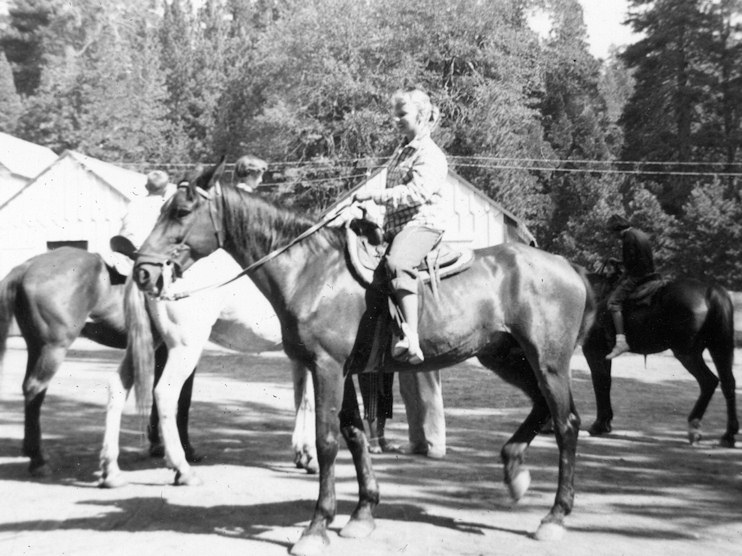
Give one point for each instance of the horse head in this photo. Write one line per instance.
(189, 228)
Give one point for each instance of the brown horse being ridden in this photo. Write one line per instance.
(521, 311)
(682, 315)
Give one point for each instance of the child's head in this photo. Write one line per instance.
(425, 114)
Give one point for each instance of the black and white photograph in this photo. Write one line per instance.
(370, 277)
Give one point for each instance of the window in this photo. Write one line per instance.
(80, 244)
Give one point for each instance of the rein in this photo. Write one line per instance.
(216, 222)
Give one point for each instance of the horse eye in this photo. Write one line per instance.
(182, 212)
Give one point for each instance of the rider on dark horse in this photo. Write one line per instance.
(638, 263)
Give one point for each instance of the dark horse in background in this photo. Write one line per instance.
(521, 311)
(685, 316)
(57, 297)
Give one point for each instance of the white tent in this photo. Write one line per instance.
(77, 201)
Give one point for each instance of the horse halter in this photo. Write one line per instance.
(177, 255)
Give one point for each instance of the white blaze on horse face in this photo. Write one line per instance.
(168, 277)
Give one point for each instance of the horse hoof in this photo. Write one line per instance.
(727, 442)
(157, 451)
(306, 462)
(312, 467)
(358, 528)
(192, 456)
(519, 485)
(694, 432)
(116, 480)
(187, 479)
(549, 532)
(599, 427)
(310, 546)
(41, 471)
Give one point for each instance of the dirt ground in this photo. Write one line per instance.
(640, 490)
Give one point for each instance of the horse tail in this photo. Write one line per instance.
(719, 326)
(140, 345)
(8, 288)
(591, 305)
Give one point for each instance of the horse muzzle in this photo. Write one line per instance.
(148, 276)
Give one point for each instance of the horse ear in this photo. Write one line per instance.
(218, 171)
(193, 182)
(208, 178)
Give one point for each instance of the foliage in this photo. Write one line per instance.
(686, 105)
(710, 232)
(10, 101)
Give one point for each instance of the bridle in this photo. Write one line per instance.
(175, 257)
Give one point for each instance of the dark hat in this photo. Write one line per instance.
(249, 164)
(617, 223)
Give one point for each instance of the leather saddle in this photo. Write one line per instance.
(646, 289)
(366, 249)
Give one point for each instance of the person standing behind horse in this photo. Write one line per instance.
(141, 215)
(414, 213)
(638, 263)
(248, 172)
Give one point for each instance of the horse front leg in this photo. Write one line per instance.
(328, 393)
(118, 390)
(361, 521)
(600, 372)
(181, 360)
(303, 439)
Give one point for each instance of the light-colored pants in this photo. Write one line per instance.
(423, 400)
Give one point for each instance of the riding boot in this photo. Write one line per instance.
(408, 347)
(622, 345)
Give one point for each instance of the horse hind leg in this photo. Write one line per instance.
(723, 357)
(119, 387)
(41, 366)
(549, 388)
(707, 382)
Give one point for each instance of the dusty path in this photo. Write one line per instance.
(642, 490)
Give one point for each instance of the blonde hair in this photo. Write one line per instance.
(420, 100)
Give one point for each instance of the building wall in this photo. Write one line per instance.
(65, 204)
(10, 184)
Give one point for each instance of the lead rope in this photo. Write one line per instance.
(270, 256)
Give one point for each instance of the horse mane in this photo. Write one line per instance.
(257, 225)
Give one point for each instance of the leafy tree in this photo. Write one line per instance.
(10, 102)
(23, 40)
(575, 123)
(102, 90)
(318, 84)
(709, 236)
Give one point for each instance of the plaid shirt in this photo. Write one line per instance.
(414, 183)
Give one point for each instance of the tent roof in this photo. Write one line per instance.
(24, 158)
(127, 182)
